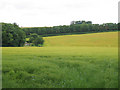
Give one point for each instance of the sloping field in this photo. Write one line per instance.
(106, 39)
(69, 61)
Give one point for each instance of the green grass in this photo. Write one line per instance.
(63, 66)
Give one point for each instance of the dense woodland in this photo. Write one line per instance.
(75, 27)
(13, 35)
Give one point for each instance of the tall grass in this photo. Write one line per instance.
(62, 67)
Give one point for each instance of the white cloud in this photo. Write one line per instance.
(30, 13)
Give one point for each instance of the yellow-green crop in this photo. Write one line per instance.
(91, 61)
(107, 39)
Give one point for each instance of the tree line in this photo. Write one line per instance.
(74, 27)
(14, 36)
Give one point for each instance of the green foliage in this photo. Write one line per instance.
(34, 35)
(12, 35)
(75, 27)
(31, 39)
(36, 40)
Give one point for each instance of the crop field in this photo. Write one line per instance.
(106, 39)
(68, 61)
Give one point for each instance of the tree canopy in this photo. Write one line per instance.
(12, 35)
(74, 27)
(36, 40)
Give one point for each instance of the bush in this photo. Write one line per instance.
(38, 41)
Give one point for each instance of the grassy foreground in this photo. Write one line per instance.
(62, 66)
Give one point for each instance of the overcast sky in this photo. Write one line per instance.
(35, 13)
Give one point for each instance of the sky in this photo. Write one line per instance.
(40, 13)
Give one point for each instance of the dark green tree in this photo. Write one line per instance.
(38, 41)
(74, 27)
(12, 35)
